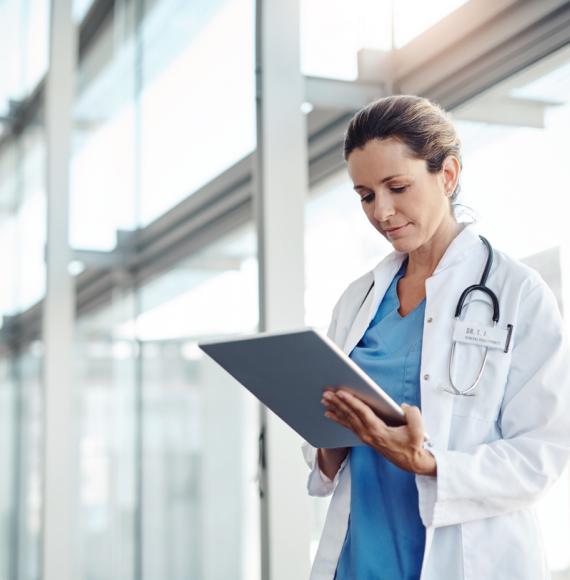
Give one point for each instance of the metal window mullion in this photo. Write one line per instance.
(281, 184)
(60, 401)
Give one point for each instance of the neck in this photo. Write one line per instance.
(423, 261)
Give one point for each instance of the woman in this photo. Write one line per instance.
(461, 506)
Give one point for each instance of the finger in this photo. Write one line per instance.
(344, 410)
(415, 423)
(337, 419)
(360, 408)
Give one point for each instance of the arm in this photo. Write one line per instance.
(330, 460)
(510, 474)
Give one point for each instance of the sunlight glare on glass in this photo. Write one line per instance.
(333, 31)
(412, 17)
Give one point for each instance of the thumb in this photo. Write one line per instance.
(415, 423)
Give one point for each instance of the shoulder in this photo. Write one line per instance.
(526, 299)
(517, 276)
(355, 292)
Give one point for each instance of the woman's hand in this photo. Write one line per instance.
(403, 446)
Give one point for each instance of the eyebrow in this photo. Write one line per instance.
(384, 180)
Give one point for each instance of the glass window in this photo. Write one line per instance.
(166, 435)
(22, 221)
(106, 373)
(425, 15)
(8, 418)
(332, 32)
(102, 199)
(24, 48)
(198, 101)
(29, 467)
(200, 427)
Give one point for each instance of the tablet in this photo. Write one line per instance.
(288, 371)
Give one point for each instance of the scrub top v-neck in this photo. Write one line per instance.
(385, 536)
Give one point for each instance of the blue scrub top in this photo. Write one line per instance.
(385, 537)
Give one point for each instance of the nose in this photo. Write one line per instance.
(383, 207)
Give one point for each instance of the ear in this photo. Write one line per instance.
(450, 172)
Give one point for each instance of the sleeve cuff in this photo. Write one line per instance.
(429, 489)
(319, 484)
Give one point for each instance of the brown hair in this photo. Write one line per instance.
(423, 126)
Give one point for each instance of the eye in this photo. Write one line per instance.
(399, 189)
(367, 198)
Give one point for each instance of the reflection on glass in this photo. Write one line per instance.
(104, 138)
(22, 222)
(9, 193)
(24, 48)
(332, 33)
(108, 498)
(28, 465)
(8, 422)
(31, 221)
(168, 441)
(412, 17)
(199, 426)
(197, 106)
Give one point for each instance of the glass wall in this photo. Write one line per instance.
(192, 54)
(23, 44)
(158, 422)
(106, 376)
(333, 31)
(169, 442)
(199, 426)
(29, 467)
(24, 49)
(8, 414)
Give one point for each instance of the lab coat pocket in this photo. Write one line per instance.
(484, 401)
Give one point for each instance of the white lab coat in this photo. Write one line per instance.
(496, 452)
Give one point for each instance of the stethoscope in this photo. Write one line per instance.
(481, 287)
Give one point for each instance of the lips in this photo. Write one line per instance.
(395, 229)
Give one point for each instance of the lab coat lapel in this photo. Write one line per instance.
(441, 296)
(382, 276)
(459, 267)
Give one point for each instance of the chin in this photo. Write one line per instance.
(404, 245)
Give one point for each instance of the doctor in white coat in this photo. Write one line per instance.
(490, 455)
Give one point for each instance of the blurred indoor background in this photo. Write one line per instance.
(182, 123)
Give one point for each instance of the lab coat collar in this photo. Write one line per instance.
(385, 271)
(459, 246)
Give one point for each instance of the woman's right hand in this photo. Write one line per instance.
(330, 460)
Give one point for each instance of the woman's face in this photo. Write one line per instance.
(404, 201)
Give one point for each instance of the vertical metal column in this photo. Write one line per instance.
(281, 186)
(60, 482)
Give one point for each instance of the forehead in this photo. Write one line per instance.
(381, 158)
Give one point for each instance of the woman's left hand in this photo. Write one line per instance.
(403, 446)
